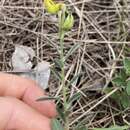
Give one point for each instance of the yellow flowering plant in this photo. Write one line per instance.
(66, 22)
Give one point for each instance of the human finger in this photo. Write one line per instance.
(16, 115)
(26, 90)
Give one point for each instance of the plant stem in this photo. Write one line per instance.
(63, 79)
(64, 89)
(62, 67)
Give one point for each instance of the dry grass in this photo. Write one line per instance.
(101, 28)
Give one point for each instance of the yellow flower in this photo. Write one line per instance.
(69, 22)
(52, 7)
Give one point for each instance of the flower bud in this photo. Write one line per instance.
(68, 23)
(52, 7)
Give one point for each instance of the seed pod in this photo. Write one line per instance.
(52, 7)
(69, 22)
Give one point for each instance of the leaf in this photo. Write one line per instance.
(120, 79)
(128, 87)
(46, 98)
(82, 128)
(72, 50)
(42, 74)
(123, 74)
(58, 63)
(56, 125)
(61, 113)
(120, 97)
(21, 58)
(56, 74)
(120, 82)
(114, 128)
(73, 79)
(126, 62)
(81, 125)
(22, 61)
(115, 96)
(72, 99)
(124, 99)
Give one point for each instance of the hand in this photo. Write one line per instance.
(19, 109)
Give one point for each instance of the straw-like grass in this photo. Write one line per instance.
(102, 30)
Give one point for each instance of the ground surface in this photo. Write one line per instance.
(101, 28)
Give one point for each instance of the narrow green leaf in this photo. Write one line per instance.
(56, 74)
(114, 128)
(73, 80)
(82, 128)
(81, 125)
(61, 113)
(72, 99)
(58, 63)
(72, 50)
(75, 97)
(126, 62)
(46, 98)
(56, 125)
(128, 87)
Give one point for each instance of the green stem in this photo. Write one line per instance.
(62, 69)
(64, 89)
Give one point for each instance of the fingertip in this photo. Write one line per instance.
(50, 108)
(47, 108)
